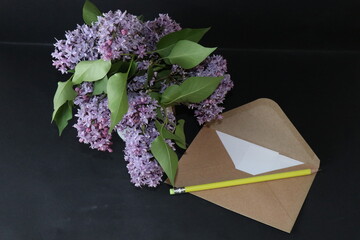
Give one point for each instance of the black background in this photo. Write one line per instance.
(302, 54)
(276, 24)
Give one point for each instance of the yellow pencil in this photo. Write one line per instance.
(236, 182)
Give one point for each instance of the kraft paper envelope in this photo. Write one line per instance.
(262, 122)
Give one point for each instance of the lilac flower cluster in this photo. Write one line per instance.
(79, 45)
(114, 36)
(142, 167)
(210, 109)
(158, 28)
(120, 33)
(93, 119)
(137, 83)
(138, 130)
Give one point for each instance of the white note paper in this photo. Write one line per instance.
(252, 158)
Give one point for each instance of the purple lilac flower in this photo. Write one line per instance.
(178, 70)
(142, 108)
(171, 144)
(212, 66)
(83, 93)
(79, 45)
(158, 28)
(120, 33)
(143, 65)
(137, 83)
(138, 129)
(210, 108)
(144, 170)
(93, 119)
(179, 75)
(114, 34)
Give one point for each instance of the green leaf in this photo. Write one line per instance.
(165, 133)
(121, 66)
(100, 86)
(64, 93)
(90, 12)
(91, 71)
(164, 52)
(194, 35)
(163, 74)
(63, 98)
(155, 95)
(193, 90)
(117, 94)
(165, 156)
(63, 115)
(141, 18)
(171, 94)
(117, 98)
(159, 114)
(179, 132)
(115, 67)
(197, 89)
(133, 69)
(167, 43)
(150, 75)
(188, 54)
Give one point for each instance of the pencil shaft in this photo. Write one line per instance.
(249, 180)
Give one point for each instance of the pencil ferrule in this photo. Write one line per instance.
(179, 190)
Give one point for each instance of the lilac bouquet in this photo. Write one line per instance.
(127, 75)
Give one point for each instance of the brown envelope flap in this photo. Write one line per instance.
(261, 203)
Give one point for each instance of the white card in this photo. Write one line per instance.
(252, 158)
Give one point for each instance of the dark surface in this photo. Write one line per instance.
(56, 188)
(284, 24)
